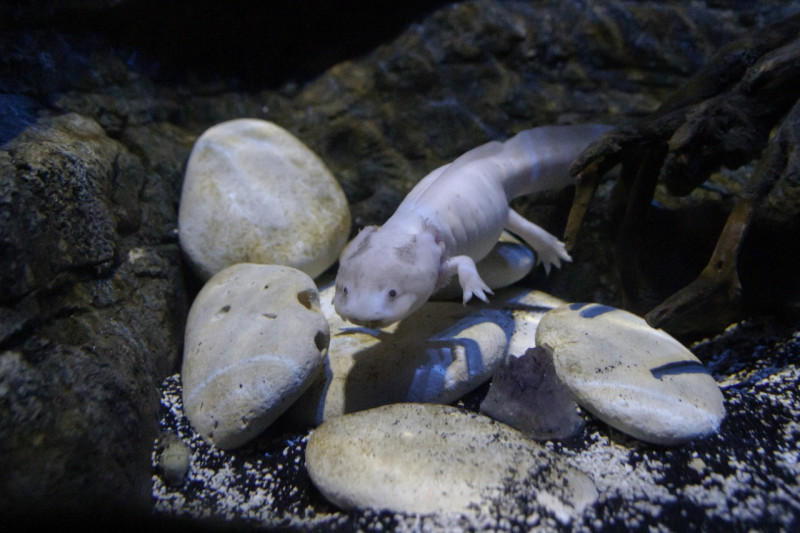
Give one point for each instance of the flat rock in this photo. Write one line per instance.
(255, 340)
(637, 379)
(424, 458)
(441, 352)
(253, 193)
(438, 354)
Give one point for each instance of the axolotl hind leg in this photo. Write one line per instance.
(549, 250)
(468, 277)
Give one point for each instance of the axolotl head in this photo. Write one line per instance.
(384, 276)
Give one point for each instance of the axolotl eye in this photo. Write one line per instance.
(344, 290)
(392, 293)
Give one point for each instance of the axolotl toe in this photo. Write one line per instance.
(453, 218)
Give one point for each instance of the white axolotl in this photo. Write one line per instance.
(453, 218)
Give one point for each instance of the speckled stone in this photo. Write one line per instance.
(255, 340)
(637, 379)
(425, 458)
(253, 193)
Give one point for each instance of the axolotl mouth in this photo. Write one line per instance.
(375, 323)
(371, 324)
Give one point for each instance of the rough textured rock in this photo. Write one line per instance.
(92, 309)
(255, 339)
(636, 378)
(253, 193)
(422, 458)
(527, 394)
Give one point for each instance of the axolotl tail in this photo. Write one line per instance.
(544, 155)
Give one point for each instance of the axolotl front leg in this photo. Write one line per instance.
(549, 251)
(471, 283)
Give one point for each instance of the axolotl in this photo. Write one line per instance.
(452, 218)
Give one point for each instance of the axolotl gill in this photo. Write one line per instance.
(452, 218)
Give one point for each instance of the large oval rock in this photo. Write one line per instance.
(426, 458)
(637, 379)
(255, 340)
(253, 193)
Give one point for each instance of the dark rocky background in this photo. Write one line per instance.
(100, 102)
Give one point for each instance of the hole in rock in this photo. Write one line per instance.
(309, 299)
(321, 340)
